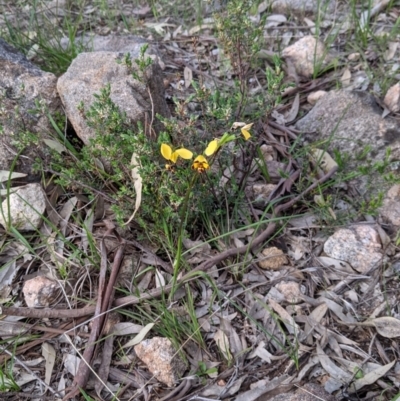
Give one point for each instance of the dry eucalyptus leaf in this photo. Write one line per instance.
(346, 77)
(386, 326)
(140, 337)
(138, 184)
(294, 110)
(287, 320)
(5, 175)
(223, 343)
(49, 354)
(55, 145)
(371, 377)
(188, 75)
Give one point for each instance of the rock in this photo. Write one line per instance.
(313, 97)
(358, 245)
(161, 359)
(302, 6)
(305, 56)
(259, 193)
(267, 152)
(90, 72)
(351, 121)
(22, 84)
(390, 210)
(40, 292)
(272, 258)
(27, 205)
(308, 392)
(392, 98)
(353, 57)
(290, 290)
(113, 43)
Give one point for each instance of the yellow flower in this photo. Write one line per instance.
(245, 131)
(200, 164)
(211, 148)
(168, 154)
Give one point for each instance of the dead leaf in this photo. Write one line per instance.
(49, 354)
(391, 51)
(371, 377)
(138, 184)
(71, 363)
(310, 24)
(346, 78)
(158, 26)
(386, 326)
(331, 368)
(198, 28)
(126, 328)
(287, 320)
(6, 175)
(55, 145)
(222, 342)
(140, 337)
(188, 75)
(294, 110)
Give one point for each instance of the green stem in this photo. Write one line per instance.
(183, 217)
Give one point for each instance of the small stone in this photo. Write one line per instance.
(268, 152)
(390, 209)
(27, 205)
(305, 54)
(272, 258)
(313, 97)
(392, 98)
(358, 245)
(290, 290)
(161, 359)
(353, 57)
(259, 194)
(40, 292)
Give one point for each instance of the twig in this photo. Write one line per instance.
(103, 304)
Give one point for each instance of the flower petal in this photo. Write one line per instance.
(184, 153)
(245, 131)
(211, 148)
(200, 164)
(174, 157)
(166, 151)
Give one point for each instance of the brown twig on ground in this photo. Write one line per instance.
(104, 302)
(131, 300)
(66, 328)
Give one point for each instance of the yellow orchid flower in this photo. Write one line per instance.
(173, 156)
(245, 131)
(212, 147)
(200, 164)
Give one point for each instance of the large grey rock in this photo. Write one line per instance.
(357, 245)
(351, 121)
(90, 72)
(22, 84)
